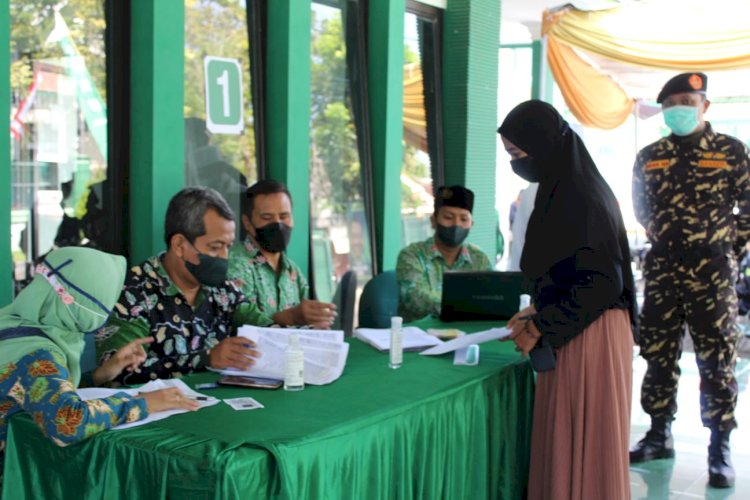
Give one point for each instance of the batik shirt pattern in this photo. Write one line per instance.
(259, 282)
(39, 385)
(419, 272)
(151, 304)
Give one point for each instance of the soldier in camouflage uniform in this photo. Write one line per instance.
(685, 189)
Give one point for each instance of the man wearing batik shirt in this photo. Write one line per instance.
(420, 266)
(182, 297)
(261, 268)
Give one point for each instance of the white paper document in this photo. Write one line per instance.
(88, 393)
(325, 353)
(413, 338)
(467, 340)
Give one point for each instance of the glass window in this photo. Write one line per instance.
(220, 148)
(340, 221)
(59, 169)
(421, 170)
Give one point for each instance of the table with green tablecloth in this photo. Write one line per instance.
(426, 430)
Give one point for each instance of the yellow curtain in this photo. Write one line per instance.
(675, 35)
(681, 35)
(593, 98)
(415, 122)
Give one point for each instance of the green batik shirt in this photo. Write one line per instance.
(269, 291)
(419, 272)
(151, 304)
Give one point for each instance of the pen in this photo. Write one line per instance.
(199, 398)
(527, 317)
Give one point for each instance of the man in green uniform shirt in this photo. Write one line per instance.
(182, 297)
(420, 266)
(261, 268)
(691, 192)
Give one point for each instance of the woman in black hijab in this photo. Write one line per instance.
(582, 314)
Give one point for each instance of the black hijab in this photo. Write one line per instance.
(574, 207)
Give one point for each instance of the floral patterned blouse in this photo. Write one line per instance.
(252, 273)
(38, 384)
(151, 304)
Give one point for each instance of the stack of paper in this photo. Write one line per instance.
(88, 393)
(413, 338)
(325, 353)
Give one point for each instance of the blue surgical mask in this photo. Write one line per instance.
(682, 120)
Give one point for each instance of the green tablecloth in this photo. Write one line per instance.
(427, 430)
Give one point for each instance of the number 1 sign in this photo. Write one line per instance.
(223, 79)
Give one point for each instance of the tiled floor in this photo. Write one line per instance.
(686, 476)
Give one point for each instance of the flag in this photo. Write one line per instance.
(17, 127)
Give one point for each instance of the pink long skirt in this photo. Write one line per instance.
(580, 434)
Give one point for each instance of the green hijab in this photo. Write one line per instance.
(72, 293)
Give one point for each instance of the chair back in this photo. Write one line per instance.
(344, 300)
(379, 301)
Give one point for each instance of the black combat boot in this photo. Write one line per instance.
(720, 470)
(657, 443)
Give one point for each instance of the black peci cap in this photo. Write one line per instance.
(694, 83)
(454, 196)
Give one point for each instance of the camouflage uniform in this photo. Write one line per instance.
(684, 193)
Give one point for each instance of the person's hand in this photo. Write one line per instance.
(129, 357)
(233, 352)
(168, 399)
(524, 332)
(313, 312)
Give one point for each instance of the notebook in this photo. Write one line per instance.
(481, 295)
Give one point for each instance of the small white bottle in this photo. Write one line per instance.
(294, 365)
(525, 301)
(396, 352)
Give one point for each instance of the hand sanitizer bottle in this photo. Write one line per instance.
(396, 353)
(525, 301)
(294, 365)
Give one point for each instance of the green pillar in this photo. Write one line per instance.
(470, 44)
(288, 112)
(157, 158)
(385, 86)
(6, 259)
(542, 82)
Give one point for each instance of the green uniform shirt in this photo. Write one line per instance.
(269, 291)
(151, 304)
(419, 272)
(685, 190)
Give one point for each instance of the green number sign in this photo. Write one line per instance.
(223, 95)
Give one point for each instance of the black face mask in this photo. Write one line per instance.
(527, 169)
(452, 236)
(273, 237)
(210, 271)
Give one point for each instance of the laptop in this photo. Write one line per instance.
(481, 295)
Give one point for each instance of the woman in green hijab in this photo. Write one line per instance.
(41, 342)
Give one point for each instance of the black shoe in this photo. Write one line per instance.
(658, 443)
(720, 470)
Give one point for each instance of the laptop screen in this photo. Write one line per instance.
(481, 295)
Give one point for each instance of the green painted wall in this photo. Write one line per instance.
(6, 259)
(470, 66)
(288, 112)
(157, 169)
(385, 87)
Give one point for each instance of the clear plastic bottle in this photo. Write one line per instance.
(294, 365)
(396, 353)
(524, 301)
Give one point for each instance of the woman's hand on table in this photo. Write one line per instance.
(524, 332)
(129, 357)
